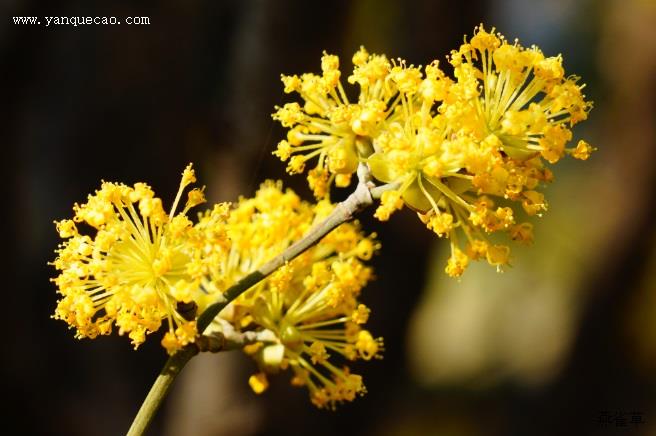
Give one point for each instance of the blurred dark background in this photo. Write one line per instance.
(563, 343)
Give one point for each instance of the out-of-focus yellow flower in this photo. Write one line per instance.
(310, 305)
(135, 267)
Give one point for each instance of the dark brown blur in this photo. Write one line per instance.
(550, 347)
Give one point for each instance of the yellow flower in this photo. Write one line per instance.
(517, 94)
(457, 262)
(131, 269)
(582, 150)
(330, 127)
(310, 305)
(450, 148)
(389, 202)
(258, 382)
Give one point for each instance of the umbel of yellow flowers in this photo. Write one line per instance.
(311, 305)
(462, 152)
(136, 266)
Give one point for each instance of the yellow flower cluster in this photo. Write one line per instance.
(126, 262)
(461, 152)
(310, 306)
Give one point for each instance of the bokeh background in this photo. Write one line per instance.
(552, 346)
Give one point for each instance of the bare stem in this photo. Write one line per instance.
(230, 339)
(160, 389)
(360, 199)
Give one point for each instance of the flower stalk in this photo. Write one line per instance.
(160, 389)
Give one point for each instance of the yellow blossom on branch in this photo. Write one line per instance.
(281, 278)
(125, 262)
(517, 94)
(469, 154)
(311, 305)
(330, 127)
